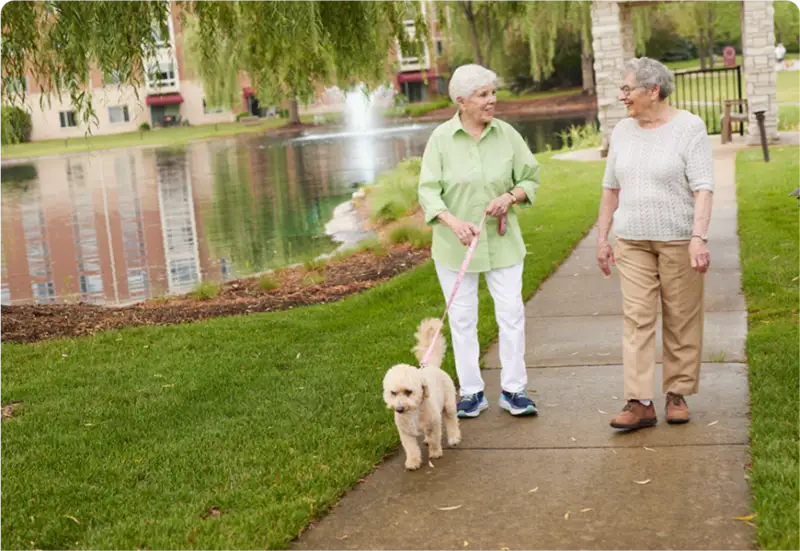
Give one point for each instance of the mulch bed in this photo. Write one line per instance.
(295, 287)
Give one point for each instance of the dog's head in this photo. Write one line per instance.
(404, 388)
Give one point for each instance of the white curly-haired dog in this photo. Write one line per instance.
(422, 398)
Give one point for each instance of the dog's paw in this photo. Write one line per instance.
(454, 441)
(435, 453)
(413, 463)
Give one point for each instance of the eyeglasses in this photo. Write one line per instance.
(626, 90)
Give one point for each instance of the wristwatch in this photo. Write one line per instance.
(702, 238)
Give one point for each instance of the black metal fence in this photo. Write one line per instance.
(704, 93)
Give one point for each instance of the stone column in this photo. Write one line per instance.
(758, 52)
(612, 41)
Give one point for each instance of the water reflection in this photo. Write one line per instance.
(126, 225)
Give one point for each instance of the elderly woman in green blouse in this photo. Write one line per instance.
(475, 164)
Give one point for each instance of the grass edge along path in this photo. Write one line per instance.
(234, 432)
(768, 233)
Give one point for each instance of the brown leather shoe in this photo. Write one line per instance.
(634, 416)
(677, 410)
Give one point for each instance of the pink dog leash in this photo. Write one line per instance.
(462, 272)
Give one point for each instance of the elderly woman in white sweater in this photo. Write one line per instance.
(657, 189)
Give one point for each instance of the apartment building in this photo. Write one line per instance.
(170, 96)
(422, 78)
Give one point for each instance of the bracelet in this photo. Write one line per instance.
(700, 237)
(513, 198)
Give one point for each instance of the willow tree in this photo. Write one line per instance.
(487, 22)
(58, 44)
(285, 47)
(543, 21)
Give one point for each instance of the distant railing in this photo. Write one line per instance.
(704, 93)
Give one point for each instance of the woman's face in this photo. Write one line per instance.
(637, 99)
(479, 107)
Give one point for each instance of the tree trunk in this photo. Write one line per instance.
(294, 112)
(473, 30)
(587, 73)
(587, 67)
(711, 36)
(701, 49)
(488, 26)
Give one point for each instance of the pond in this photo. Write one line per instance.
(126, 225)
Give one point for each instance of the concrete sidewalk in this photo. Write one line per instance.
(566, 480)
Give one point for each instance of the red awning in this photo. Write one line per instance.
(247, 91)
(165, 99)
(416, 76)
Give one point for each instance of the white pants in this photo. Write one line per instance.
(505, 286)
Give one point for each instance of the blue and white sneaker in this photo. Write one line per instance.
(472, 405)
(518, 404)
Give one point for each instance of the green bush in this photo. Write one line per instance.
(16, 125)
(267, 283)
(240, 116)
(408, 233)
(144, 127)
(394, 194)
(581, 137)
(205, 290)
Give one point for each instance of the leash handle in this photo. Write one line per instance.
(459, 278)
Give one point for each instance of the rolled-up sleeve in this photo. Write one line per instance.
(430, 182)
(526, 170)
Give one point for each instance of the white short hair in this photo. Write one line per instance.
(468, 78)
(649, 72)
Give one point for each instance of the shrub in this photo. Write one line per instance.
(394, 194)
(205, 290)
(16, 125)
(240, 116)
(408, 233)
(267, 283)
(144, 127)
(581, 137)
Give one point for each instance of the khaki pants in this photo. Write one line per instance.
(645, 267)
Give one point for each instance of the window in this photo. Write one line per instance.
(163, 74)
(439, 47)
(207, 110)
(67, 119)
(118, 113)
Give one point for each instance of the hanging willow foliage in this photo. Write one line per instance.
(543, 20)
(285, 47)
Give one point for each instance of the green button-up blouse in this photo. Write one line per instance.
(461, 176)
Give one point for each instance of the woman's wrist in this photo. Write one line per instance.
(513, 197)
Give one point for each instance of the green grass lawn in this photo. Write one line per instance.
(161, 136)
(694, 64)
(128, 439)
(789, 118)
(768, 230)
(789, 87)
(420, 109)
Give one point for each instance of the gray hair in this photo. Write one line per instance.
(649, 72)
(468, 78)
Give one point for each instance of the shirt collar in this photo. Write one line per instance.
(455, 125)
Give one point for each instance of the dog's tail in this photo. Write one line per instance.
(425, 333)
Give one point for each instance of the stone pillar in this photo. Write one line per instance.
(758, 52)
(613, 44)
